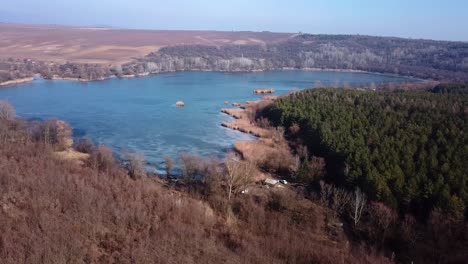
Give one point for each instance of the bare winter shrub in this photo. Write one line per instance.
(380, 219)
(7, 111)
(102, 159)
(214, 176)
(278, 161)
(445, 239)
(254, 110)
(13, 131)
(169, 166)
(84, 145)
(311, 170)
(302, 152)
(192, 167)
(263, 122)
(336, 199)
(214, 186)
(277, 135)
(135, 164)
(238, 174)
(408, 230)
(55, 133)
(294, 129)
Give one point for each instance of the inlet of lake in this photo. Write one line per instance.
(140, 115)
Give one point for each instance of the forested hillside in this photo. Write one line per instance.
(408, 149)
(427, 59)
(438, 60)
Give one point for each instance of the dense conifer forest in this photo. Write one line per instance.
(407, 149)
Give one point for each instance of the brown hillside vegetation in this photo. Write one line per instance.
(57, 211)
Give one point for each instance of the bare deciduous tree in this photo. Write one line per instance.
(135, 165)
(214, 178)
(53, 132)
(357, 205)
(295, 128)
(169, 166)
(334, 198)
(7, 112)
(191, 166)
(101, 159)
(238, 173)
(382, 217)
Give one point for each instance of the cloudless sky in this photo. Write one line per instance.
(431, 19)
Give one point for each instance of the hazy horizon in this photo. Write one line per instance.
(418, 19)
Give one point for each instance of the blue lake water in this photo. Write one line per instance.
(140, 114)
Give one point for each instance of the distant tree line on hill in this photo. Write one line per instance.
(438, 60)
(13, 69)
(427, 59)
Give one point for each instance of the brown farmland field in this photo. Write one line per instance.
(108, 45)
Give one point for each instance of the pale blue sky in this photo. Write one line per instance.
(434, 19)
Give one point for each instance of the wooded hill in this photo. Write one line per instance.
(407, 149)
(427, 59)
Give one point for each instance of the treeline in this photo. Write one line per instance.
(426, 59)
(451, 89)
(13, 69)
(406, 149)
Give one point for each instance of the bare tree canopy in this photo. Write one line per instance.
(238, 173)
(7, 111)
(357, 205)
(135, 165)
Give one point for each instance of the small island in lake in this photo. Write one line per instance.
(264, 91)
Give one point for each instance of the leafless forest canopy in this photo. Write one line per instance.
(427, 59)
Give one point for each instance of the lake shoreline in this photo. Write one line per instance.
(250, 149)
(147, 74)
(108, 112)
(17, 81)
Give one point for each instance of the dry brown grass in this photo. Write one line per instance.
(247, 127)
(270, 152)
(246, 118)
(267, 154)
